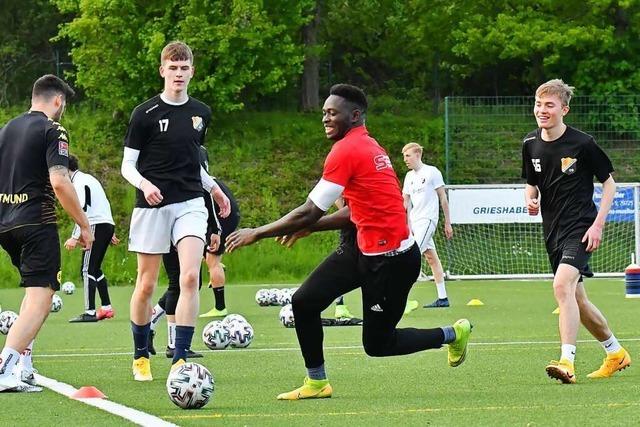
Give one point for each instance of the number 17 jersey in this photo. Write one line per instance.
(168, 137)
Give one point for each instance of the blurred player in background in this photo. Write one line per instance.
(95, 204)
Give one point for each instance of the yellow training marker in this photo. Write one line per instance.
(556, 311)
(475, 302)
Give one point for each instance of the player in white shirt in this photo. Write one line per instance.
(95, 204)
(424, 193)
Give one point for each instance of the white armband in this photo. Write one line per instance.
(325, 193)
(128, 168)
(208, 183)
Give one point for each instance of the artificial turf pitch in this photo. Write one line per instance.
(503, 381)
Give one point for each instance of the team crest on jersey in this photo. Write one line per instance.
(198, 124)
(63, 148)
(568, 165)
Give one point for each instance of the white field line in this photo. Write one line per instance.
(345, 347)
(130, 414)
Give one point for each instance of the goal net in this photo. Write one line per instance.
(494, 237)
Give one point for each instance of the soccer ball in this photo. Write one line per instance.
(274, 295)
(6, 321)
(68, 288)
(241, 334)
(190, 386)
(263, 297)
(216, 335)
(56, 303)
(286, 316)
(232, 318)
(285, 297)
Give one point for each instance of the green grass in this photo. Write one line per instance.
(502, 383)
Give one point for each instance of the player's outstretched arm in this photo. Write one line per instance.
(335, 221)
(299, 218)
(593, 236)
(66, 194)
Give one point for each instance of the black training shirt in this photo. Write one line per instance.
(29, 145)
(168, 138)
(563, 171)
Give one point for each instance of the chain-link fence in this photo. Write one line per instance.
(483, 135)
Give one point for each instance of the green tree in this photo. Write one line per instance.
(243, 48)
(25, 50)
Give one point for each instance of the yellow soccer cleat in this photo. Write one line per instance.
(342, 312)
(562, 370)
(611, 364)
(142, 369)
(215, 313)
(457, 352)
(176, 365)
(311, 389)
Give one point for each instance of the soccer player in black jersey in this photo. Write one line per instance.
(161, 159)
(559, 163)
(34, 156)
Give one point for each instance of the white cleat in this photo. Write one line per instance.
(11, 384)
(28, 376)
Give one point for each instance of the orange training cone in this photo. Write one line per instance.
(88, 391)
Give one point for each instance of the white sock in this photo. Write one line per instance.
(106, 307)
(171, 335)
(91, 312)
(8, 360)
(156, 316)
(611, 345)
(568, 352)
(442, 290)
(26, 362)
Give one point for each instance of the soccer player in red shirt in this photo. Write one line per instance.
(385, 263)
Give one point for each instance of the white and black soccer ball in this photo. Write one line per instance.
(232, 318)
(263, 297)
(190, 386)
(241, 334)
(68, 288)
(6, 321)
(285, 297)
(56, 303)
(215, 335)
(274, 295)
(286, 316)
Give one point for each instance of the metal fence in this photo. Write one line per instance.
(483, 135)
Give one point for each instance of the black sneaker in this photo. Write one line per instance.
(190, 353)
(439, 303)
(84, 317)
(150, 347)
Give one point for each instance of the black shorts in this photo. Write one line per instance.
(228, 224)
(572, 251)
(35, 251)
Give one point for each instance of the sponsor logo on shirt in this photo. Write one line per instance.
(63, 148)
(382, 162)
(13, 199)
(198, 124)
(568, 165)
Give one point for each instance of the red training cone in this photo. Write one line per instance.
(88, 391)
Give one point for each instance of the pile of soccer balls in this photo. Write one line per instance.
(274, 296)
(234, 330)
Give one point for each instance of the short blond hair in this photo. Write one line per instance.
(413, 146)
(558, 88)
(176, 51)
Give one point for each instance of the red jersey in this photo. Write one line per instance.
(371, 188)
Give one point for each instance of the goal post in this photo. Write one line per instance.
(494, 237)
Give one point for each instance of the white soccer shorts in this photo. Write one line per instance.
(153, 230)
(423, 233)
